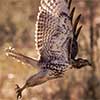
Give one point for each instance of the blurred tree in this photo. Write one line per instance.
(7, 31)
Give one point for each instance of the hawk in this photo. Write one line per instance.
(56, 42)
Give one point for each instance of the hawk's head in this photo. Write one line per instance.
(79, 63)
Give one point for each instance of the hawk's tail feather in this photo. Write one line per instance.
(20, 57)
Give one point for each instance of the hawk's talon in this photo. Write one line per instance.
(18, 92)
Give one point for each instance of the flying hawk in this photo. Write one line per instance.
(56, 42)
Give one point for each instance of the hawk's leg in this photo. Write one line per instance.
(39, 78)
(19, 91)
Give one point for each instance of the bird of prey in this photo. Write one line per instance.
(56, 42)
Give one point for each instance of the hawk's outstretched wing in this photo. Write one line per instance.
(54, 32)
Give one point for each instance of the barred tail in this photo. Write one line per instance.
(20, 57)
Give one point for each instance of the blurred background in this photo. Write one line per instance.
(17, 27)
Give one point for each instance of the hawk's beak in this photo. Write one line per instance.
(89, 63)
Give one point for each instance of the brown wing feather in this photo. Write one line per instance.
(54, 29)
